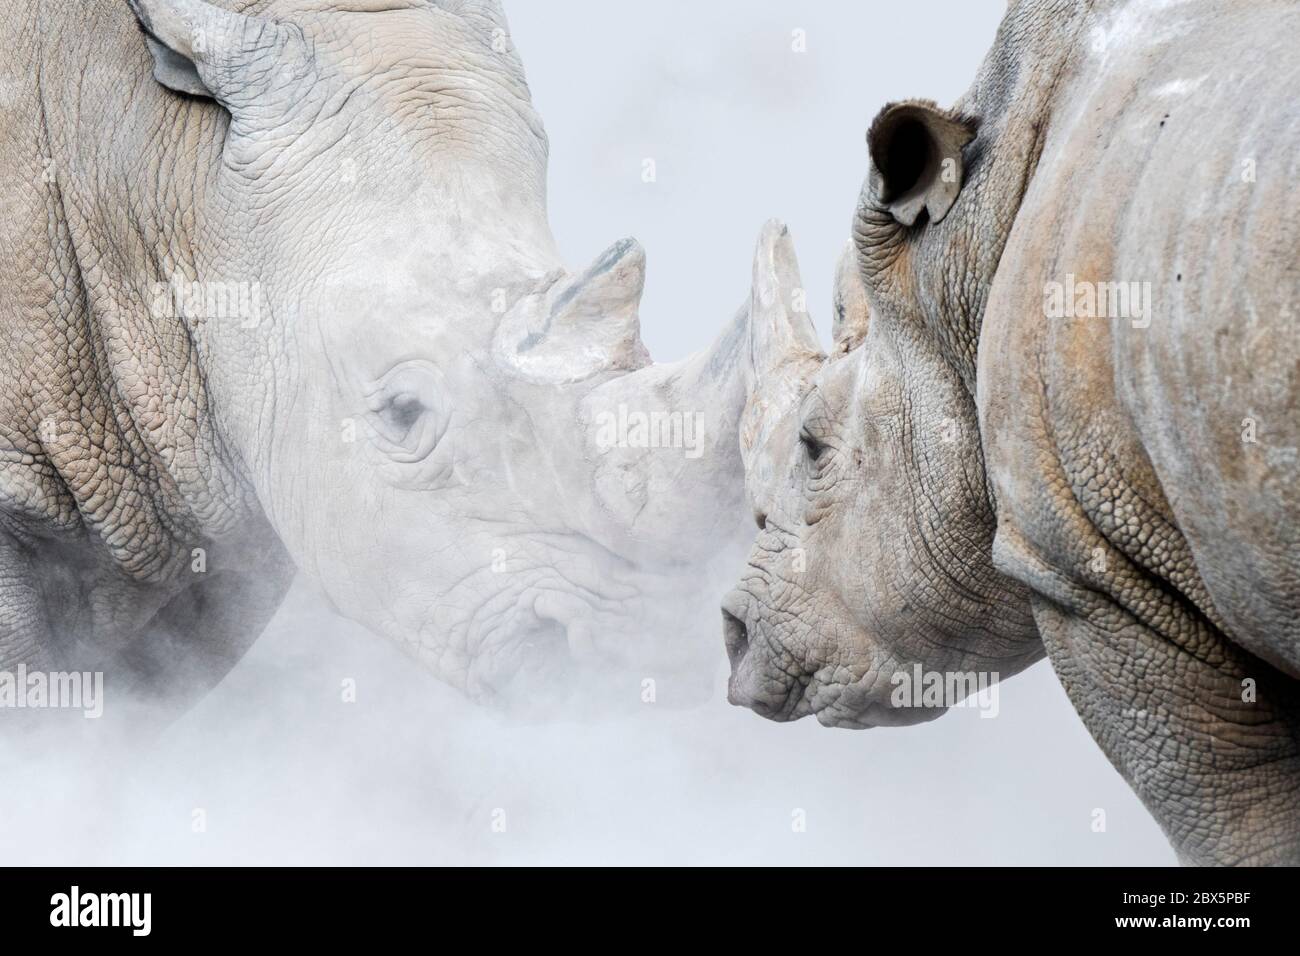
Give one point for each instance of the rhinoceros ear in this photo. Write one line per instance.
(852, 312)
(203, 50)
(916, 159)
(780, 327)
(577, 327)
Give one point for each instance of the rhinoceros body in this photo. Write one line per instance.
(279, 293)
(1147, 465)
(1071, 426)
(115, 479)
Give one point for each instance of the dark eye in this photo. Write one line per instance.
(408, 411)
(401, 414)
(813, 447)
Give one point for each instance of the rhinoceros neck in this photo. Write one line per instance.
(1012, 102)
(136, 437)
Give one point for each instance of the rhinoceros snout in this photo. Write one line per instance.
(735, 634)
(746, 686)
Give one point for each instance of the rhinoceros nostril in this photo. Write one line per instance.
(736, 636)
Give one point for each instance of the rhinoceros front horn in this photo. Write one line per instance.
(667, 440)
(780, 327)
(576, 327)
(783, 343)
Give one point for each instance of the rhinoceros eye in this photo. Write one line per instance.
(813, 447)
(408, 411)
(816, 439)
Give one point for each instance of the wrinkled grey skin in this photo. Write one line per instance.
(409, 417)
(969, 483)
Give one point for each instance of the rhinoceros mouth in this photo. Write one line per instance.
(757, 680)
(537, 653)
(540, 637)
(767, 678)
(535, 620)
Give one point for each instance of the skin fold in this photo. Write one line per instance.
(972, 480)
(401, 397)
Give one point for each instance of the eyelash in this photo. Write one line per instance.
(811, 446)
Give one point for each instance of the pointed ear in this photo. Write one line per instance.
(916, 159)
(204, 50)
(175, 71)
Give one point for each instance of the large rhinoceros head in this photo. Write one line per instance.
(460, 440)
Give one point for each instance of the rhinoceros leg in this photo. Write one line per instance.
(1207, 734)
(193, 641)
(190, 635)
(25, 636)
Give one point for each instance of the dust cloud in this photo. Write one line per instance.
(275, 767)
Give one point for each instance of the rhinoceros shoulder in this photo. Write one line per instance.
(1139, 362)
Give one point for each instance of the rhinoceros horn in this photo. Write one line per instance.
(575, 327)
(661, 492)
(780, 327)
(783, 342)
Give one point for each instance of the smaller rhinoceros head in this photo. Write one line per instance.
(873, 553)
(463, 442)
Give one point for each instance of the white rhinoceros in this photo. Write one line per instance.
(1062, 416)
(280, 293)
